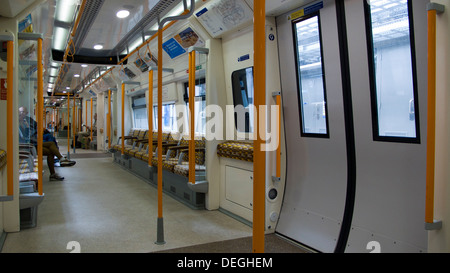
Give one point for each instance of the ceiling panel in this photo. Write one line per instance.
(108, 30)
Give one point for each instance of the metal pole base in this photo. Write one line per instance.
(68, 155)
(436, 225)
(160, 232)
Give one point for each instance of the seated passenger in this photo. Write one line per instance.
(48, 138)
(28, 134)
(85, 137)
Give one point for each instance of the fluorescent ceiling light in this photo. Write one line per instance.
(84, 65)
(60, 38)
(122, 14)
(98, 47)
(53, 72)
(76, 75)
(135, 44)
(65, 10)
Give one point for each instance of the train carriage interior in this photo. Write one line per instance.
(277, 126)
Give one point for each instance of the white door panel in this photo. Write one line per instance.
(390, 172)
(316, 168)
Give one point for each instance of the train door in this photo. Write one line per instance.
(355, 140)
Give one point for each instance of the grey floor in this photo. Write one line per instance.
(106, 209)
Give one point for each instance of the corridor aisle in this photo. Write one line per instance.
(106, 209)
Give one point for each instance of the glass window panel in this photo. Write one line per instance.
(169, 120)
(140, 118)
(242, 81)
(313, 110)
(394, 99)
(200, 105)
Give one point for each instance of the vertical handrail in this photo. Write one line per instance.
(433, 9)
(40, 113)
(192, 117)
(86, 116)
(92, 105)
(68, 125)
(123, 119)
(10, 111)
(259, 156)
(108, 121)
(73, 124)
(160, 225)
(45, 116)
(277, 176)
(150, 116)
(57, 120)
(278, 167)
(185, 14)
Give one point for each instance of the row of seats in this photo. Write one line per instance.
(136, 145)
(175, 150)
(29, 198)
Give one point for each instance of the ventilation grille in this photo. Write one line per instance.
(159, 10)
(91, 10)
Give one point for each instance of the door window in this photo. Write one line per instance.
(310, 77)
(392, 70)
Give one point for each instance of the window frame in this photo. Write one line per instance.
(298, 76)
(173, 118)
(249, 130)
(372, 79)
(186, 100)
(134, 107)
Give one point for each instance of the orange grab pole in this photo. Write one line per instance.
(108, 119)
(40, 99)
(123, 118)
(73, 123)
(278, 166)
(192, 117)
(429, 199)
(150, 116)
(160, 68)
(68, 123)
(91, 118)
(10, 110)
(259, 156)
(86, 117)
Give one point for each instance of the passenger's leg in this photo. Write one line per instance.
(50, 158)
(52, 147)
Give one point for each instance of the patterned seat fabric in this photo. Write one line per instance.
(143, 154)
(133, 133)
(181, 150)
(183, 169)
(24, 167)
(2, 159)
(142, 136)
(236, 149)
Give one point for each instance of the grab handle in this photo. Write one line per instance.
(430, 224)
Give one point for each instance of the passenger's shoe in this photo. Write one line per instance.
(64, 162)
(55, 177)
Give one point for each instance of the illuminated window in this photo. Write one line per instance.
(242, 81)
(392, 71)
(200, 105)
(169, 120)
(311, 80)
(140, 112)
